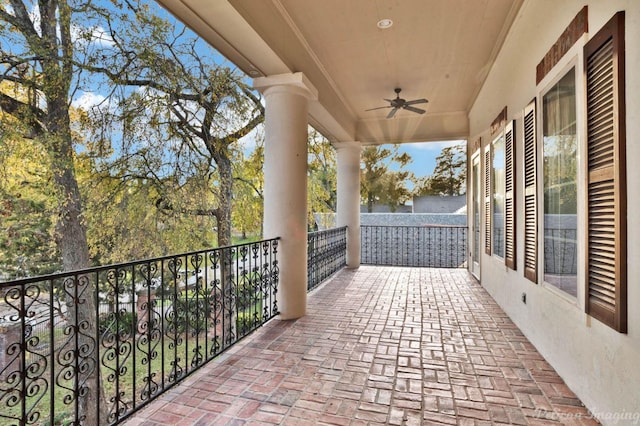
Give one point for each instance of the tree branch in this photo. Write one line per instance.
(251, 185)
(245, 130)
(20, 20)
(162, 204)
(184, 122)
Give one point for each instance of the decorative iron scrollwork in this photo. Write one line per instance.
(151, 323)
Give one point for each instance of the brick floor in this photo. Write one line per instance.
(380, 345)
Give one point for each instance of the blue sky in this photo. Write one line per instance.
(424, 155)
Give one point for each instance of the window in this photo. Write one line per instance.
(606, 251)
(560, 184)
(497, 194)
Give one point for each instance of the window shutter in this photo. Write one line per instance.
(530, 201)
(487, 199)
(509, 197)
(606, 291)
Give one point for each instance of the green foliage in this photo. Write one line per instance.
(191, 313)
(247, 296)
(449, 174)
(27, 207)
(379, 184)
(248, 302)
(124, 222)
(248, 199)
(246, 321)
(322, 176)
(122, 324)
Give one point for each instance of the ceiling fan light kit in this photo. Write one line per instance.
(399, 103)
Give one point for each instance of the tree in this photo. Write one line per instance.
(124, 223)
(39, 56)
(248, 194)
(180, 114)
(380, 184)
(27, 203)
(449, 174)
(322, 176)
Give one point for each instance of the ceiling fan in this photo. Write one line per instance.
(399, 103)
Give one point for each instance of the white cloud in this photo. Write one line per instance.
(88, 100)
(96, 35)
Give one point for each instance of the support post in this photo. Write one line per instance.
(287, 99)
(348, 214)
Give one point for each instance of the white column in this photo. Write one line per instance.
(285, 182)
(349, 197)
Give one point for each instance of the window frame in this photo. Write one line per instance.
(573, 59)
(571, 67)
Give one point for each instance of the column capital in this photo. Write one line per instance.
(292, 82)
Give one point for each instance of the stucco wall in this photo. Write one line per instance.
(598, 363)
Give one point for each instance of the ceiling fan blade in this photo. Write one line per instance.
(392, 112)
(416, 110)
(416, 101)
(373, 109)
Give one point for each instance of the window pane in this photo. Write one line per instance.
(498, 196)
(560, 190)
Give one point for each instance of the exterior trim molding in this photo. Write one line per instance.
(497, 125)
(578, 26)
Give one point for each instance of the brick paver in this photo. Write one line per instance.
(380, 345)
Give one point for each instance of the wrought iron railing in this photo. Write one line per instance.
(101, 343)
(436, 246)
(326, 254)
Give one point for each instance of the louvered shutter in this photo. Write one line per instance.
(530, 200)
(606, 291)
(509, 197)
(487, 199)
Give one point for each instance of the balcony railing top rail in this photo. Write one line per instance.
(95, 345)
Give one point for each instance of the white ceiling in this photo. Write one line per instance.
(441, 50)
